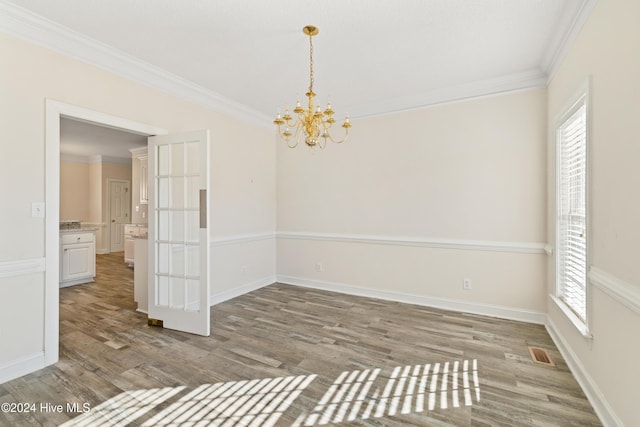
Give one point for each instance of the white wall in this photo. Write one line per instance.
(607, 51)
(242, 184)
(430, 183)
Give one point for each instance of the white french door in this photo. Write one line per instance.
(178, 231)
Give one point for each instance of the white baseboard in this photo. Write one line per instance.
(589, 387)
(501, 312)
(21, 367)
(219, 297)
(103, 251)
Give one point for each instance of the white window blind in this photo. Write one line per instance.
(572, 211)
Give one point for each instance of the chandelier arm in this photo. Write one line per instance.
(286, 139)
(289, 139)
(293, 124)
(346, 135)
(297, 135)
(327, 126)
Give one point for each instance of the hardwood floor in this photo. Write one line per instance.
(284, 355)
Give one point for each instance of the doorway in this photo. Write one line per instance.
(55, 111)
(119, 200)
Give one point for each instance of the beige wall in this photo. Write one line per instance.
(95, 195)
(462, 172)
(74, 191)
(606, 50)
(84, 192)
(242, 184)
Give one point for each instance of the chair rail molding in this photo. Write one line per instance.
(625, 293)
(241, 238)
(22, 267)
(427, 242)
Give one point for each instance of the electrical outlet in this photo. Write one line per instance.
(244, 269)
(319, 267)
(466, 284)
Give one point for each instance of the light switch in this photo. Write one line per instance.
(37, 210)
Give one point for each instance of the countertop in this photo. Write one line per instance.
(78, 230)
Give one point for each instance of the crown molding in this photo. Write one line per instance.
(519, 81)
(561, 41)
(138, 151)
(97, 158)
(23, 24)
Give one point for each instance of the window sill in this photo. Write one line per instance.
(575, 320)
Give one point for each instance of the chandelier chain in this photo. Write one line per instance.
(310, 64)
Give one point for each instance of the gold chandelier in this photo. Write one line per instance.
(313, 123)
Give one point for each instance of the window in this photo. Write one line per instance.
(571, 209)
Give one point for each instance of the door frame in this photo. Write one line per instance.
(54, 111)
(109, 182)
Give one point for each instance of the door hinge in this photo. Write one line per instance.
(155, 322)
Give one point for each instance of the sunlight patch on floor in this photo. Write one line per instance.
(354, 395)
(124, 408)
(245, 403)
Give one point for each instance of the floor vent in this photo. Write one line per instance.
(541, 356)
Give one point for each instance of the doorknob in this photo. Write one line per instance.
(113, 220)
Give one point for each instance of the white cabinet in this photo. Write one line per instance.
(144, 179)
(77, 258)
(131, 231)
(140, 185)
(140, 275)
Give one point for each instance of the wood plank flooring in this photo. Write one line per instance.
(284, 355)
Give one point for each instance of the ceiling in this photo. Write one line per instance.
(371, 57)
(86, 140)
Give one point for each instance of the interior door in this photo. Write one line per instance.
(119, 202)
(178, 231)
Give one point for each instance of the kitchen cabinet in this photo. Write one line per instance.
(131, 232)
(77, 257)
(144, 179)
(140, 275)
(139, 185)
